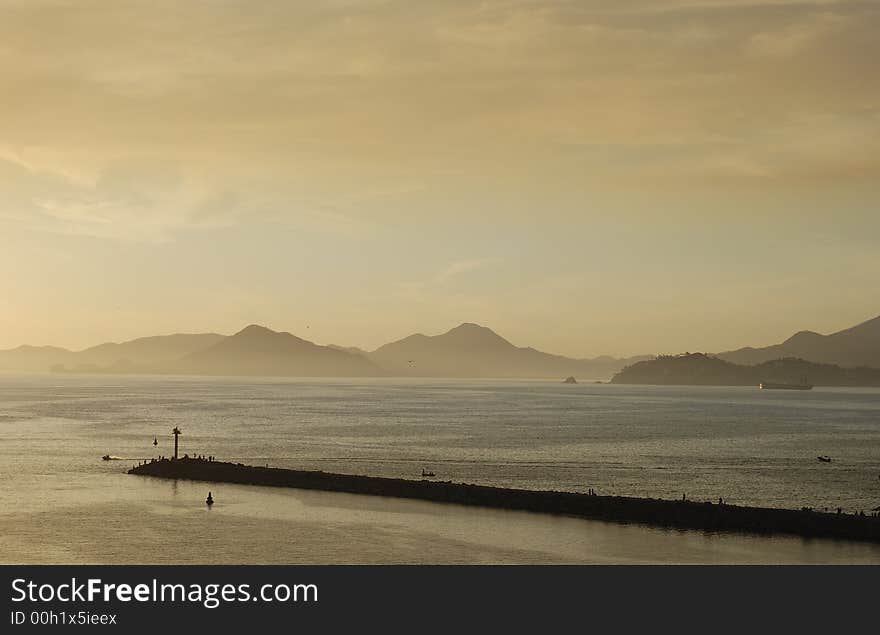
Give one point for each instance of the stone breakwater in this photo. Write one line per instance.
(680, 514)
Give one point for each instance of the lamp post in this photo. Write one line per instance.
(176, 432)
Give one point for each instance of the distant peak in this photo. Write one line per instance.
(255, 329)
(803, 336)
(475, 333)
(470, 326)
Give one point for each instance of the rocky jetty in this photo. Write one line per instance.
(682, 514)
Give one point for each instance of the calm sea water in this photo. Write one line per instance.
(59, 502)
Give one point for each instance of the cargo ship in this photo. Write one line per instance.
(766, 385)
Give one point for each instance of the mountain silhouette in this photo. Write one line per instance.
(699, 369)
(855, 346)
(471, 350)
(257, 350)
(148, 350)
(468, 350)
(143, 351)
(34, 358)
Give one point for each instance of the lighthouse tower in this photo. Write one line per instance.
(176, 432)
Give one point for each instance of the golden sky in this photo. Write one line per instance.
(585, 177)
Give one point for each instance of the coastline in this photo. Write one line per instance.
(677, 514)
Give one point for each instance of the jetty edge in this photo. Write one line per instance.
(678, 514)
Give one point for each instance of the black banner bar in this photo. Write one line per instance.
(415, 599)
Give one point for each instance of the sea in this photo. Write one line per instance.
(61, 503)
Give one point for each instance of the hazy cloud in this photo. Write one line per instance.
(336, 153)
(329, 99)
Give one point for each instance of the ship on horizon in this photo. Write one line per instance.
(766, 385)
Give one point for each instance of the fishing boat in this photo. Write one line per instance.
(824, 459)
(427, 473)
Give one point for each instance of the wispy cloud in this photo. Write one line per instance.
(460, 267)
(441, 282)
(148, 202)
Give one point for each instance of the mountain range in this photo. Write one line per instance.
(256, 350)
(155, 350)
(471, 350)
(855, 346)
(468, 350)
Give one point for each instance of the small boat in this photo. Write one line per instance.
(427, 473)
(824, 459)
(569, 380)
(210, 500)
(106, 457)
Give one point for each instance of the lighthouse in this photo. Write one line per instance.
(176, 432)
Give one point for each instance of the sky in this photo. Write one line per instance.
(587, 177)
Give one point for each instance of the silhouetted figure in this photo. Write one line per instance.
(683, 497)
(155, 441)
(210, 500)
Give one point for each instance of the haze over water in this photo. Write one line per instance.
(61, 503)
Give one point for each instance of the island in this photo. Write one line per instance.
(701, 369)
